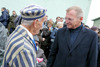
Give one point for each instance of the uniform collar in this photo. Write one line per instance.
(31, 36)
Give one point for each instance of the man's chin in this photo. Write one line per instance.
(68, 27)
(37, 32)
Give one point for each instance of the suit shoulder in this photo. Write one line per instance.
(91, 32)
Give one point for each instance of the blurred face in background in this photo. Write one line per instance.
(59, 25)
(46, 18)
(97, 30)
(62, 19)
(99, 34)
(8, 10)
(14, 13)
(49, 25)
(58, 19)
(2, 9)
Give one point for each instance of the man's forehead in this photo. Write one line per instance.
(71, 14)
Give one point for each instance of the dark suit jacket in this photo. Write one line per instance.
(83, 53)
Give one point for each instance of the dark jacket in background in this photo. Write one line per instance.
(40, 54)
(3, 40)
(53, 34)
(18, 20)
(12, 19)
(8, 19)
(11, 26)
(4, 18)
(98, 64)
(45, 45)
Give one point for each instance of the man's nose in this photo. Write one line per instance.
(67, 21)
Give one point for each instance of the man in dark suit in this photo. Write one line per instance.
(74, 45)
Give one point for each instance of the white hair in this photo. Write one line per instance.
(59, 24)
(27, 22)
(77, 9)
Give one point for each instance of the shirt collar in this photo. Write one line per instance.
(31, 36)
(77, 29)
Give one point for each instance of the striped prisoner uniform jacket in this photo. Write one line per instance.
(20, 51)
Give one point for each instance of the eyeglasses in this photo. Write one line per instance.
(70, 19)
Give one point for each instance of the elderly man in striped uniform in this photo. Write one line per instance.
(21, 48)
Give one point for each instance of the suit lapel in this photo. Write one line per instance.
(67, 38)
(79, 38)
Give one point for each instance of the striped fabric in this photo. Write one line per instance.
(20, 51)
(33, 12)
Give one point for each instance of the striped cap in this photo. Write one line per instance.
(33, 12)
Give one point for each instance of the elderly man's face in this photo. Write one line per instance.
(39, 24)
(72, 20)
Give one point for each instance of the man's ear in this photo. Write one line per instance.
(34, 22)
(81, 18)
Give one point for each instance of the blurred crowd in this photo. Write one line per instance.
(44, 40)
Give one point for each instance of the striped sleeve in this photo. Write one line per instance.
(24, 59)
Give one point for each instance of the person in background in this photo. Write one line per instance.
(17, 21)
(45, 24)
(3, 41)
(99, 36)
(11, 26)
(8, 20)
(21, 47)
(86, 26)
(74, 45)
(4, 17)
(61, 19)
(94, 28)
(58, 19)
(41, 59)
(64, 24)
(53, 33)
(50, 20)
(45, 45)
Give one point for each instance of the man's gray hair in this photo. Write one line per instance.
(77, 9)
(27, 22)
(59, 24)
